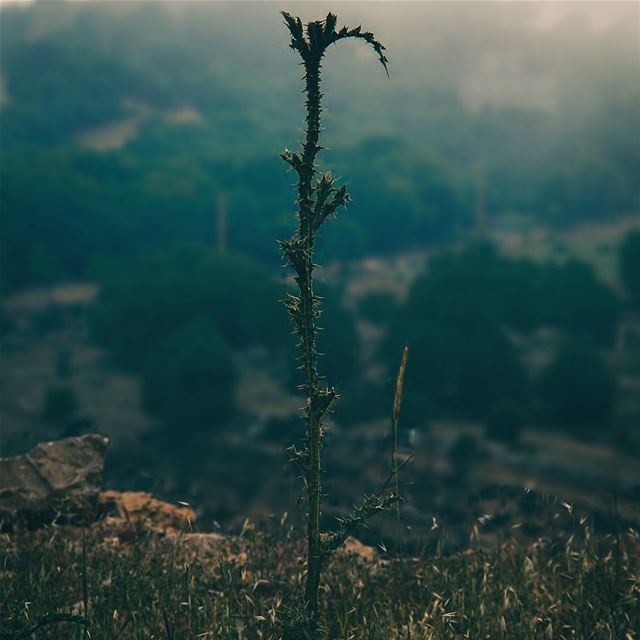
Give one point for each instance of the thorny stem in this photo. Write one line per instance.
(314, 426)
(315, 205)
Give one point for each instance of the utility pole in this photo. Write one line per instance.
(221, 218)
(480, 210)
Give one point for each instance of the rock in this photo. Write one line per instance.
(137, 510)
(353, 546)
(202, 545)
(210, 546)
(60, 478)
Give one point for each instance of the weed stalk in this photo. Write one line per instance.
(318, 198)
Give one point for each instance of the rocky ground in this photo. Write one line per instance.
(143, 571)
(78, 562)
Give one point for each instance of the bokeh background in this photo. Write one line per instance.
(494, 228)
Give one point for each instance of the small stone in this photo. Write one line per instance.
(353, 546)
(138, 510)
(202, 545)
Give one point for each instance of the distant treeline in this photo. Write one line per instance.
(63, 209)
(472, 321)
(433, 167)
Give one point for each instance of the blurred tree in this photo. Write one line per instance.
(478, 280)
(462, 362)
(577, 391)
(463, 369)
(418, 190)
(629, 265)
(144, 300)
(573, 299)
(83, 69)
(80, 87)
(189, 381)
(457, 312)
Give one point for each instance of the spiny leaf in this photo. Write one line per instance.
(358, 517)
(324, 188)
(369, 38)
(294, 252)
(297, 36)
(300, 458)
(329, 27)
(321, 402)
(340, 199)
(315, 32)
(293, 158)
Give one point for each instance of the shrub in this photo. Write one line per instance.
(190, 381)
(462, 364)
(573, 299)
(577, 391)
(629, 265)
(146, 299)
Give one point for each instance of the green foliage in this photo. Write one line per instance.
(601, 176)
(463, 367)
(398, 176)
(479, 281)
(173, 318)
(144, 300)
(89, 206)
(189, 381)
(70, 70)
(460, 315)
(573, 299)
(462, 360)
(60, 405)
(157, 193)
(81, 87)
(577, 392)
(629, 265)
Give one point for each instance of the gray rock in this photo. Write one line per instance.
(60, 478)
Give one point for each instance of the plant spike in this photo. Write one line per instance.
(316, 200)
(395, 418)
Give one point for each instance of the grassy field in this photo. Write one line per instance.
(140, 586)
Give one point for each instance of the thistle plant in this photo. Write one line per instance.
(318, 198)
